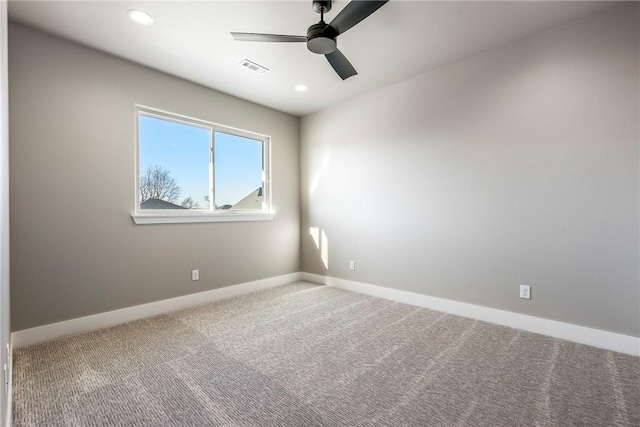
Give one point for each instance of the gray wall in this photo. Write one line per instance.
(5, 321)
(519, 166)
(75, 250)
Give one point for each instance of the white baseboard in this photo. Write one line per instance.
(111, 318)
(580, 334)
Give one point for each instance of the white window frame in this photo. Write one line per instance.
(168, 216)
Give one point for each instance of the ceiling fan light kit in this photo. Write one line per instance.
(321, 37)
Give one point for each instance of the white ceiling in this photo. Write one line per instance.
(191, 39)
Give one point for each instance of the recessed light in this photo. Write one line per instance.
(140, 17)
(301, 88)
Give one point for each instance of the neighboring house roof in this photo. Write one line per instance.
(252, 201)
(158, 204)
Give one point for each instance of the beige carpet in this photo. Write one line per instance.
(310, 355)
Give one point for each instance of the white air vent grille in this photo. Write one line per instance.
(253, 66)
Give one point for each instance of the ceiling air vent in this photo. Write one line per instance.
(253, 66)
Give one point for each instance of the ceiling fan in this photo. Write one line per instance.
(321, 37)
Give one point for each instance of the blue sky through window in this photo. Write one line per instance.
(183, 150)
(238, 167)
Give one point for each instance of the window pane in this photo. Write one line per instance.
(174, 164)
(238, 172)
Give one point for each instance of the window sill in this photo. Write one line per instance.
(164, 218)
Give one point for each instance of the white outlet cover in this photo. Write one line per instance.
(525, 291)
(195, 274)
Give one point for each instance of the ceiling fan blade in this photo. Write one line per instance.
(341, 64)
(353, 13)
(256, 37)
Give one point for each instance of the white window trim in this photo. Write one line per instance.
(162, 216)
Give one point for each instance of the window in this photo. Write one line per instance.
(189, 170)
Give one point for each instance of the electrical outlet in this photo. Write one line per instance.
(352, 265)
(525, 291)
(5, 370)
(195, 275)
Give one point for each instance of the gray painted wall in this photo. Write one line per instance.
(75, 250)
(519, 166)
(5, 321)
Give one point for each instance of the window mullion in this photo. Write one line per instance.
(212, 183)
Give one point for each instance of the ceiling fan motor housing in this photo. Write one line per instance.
(321, 38)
